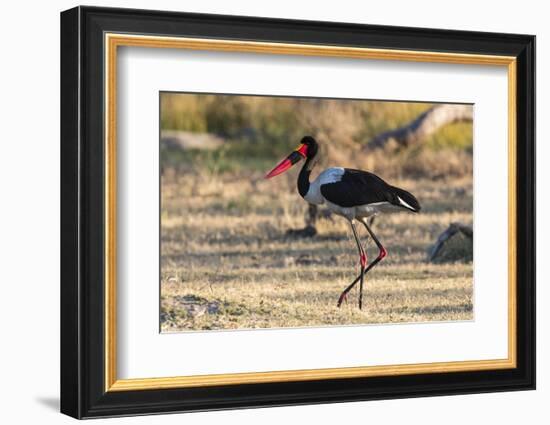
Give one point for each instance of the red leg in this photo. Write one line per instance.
(364, 270)
(363, 261)
(382, 251)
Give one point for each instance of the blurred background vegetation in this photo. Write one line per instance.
(250, 132)
(240, 251)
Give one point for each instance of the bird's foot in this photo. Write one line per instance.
(343, 297)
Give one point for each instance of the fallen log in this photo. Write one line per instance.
(444, 237)
(423, 126)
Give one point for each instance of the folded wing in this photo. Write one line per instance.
(357, 187)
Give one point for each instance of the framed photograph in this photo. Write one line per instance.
(261, 212)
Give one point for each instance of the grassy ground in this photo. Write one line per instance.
(227, 263)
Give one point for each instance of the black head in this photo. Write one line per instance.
(312, 146)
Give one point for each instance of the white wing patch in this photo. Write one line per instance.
(402, 202)
(330, 175)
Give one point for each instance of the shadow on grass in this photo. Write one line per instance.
(431, 310)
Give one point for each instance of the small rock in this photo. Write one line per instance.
(304, 259)
(198, 306)
(289, 261)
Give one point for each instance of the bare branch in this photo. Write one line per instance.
(424, 125)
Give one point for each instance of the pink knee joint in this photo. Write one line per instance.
(363, 259)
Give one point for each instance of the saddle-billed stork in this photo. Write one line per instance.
(353, 194)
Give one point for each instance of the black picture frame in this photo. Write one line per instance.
(83, 392)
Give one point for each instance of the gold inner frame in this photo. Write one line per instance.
(113, 41)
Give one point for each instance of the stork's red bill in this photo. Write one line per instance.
(298, 154)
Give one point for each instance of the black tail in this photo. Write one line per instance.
(404, 199)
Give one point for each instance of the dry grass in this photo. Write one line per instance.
(226, 262)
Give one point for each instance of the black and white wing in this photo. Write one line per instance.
(357, 187)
